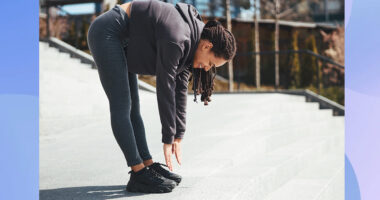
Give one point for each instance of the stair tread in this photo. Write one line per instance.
(242, 173)
(309, 183)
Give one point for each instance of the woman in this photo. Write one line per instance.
(155, 38)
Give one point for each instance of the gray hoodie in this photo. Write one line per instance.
(162, 42)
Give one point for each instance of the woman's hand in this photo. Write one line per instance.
(174, 148)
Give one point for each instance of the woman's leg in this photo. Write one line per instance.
(108, 53)
(137, 122)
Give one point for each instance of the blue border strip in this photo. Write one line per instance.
(362, 94)
(19, 100)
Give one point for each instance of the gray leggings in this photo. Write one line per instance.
(107, 38)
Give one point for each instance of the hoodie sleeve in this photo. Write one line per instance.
(168, 56)
(182, 83)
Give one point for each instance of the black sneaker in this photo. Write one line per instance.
(148, 181)
(156, 166)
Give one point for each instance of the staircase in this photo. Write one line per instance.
(260, 146)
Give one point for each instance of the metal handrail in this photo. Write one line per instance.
(307, 51)
(324, 103)
(324, 59)
(85, 57)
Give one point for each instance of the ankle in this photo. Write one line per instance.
(137, 167)
(148, 162)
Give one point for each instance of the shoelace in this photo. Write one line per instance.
(154, 172)
(161, 170)
(162, 164)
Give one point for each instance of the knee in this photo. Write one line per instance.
(121, 108)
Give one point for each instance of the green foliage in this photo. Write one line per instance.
(314, 65)
(295, 70)
(309, 67)
(252, 59)
(334, 93)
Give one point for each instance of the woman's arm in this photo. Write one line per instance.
(168, 56)
(182, 82)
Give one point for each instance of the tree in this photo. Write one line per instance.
(274, 9)
(230, 64)
(257, 45)
(295, 70)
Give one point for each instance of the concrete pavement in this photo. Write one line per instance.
(242, 146)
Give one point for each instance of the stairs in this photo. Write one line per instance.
(268, 152)
(262, 146)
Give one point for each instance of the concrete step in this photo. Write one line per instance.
(273, 103)
(246, 176)
(59, 62)
(241, 146)
(308, 151)
(262, 121)
(52, 54)
(255, 142)
(323, 180)
(54, 58)
(246, 99)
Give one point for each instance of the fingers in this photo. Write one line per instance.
(178, 153)
(173, 148)
(170, 149)
(169, 161)
(168, 155)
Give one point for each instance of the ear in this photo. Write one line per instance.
(206, 45)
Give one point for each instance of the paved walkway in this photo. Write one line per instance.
(252, 146)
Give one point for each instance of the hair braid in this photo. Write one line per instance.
(224, 46)
(203, 83)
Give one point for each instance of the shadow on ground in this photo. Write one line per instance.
(87, 192)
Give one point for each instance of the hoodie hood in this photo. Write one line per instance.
(194, 20)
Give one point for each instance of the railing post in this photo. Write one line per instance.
(324, 66)
(326, 11)
(230, 63)
(318, 78)
(257, 46)
(77, 29)
(47, 22)
(276, 45)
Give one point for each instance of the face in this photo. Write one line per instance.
(205, 58)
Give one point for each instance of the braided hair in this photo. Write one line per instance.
(224, 46)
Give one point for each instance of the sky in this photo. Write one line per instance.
(83, 8)
(87, 8)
